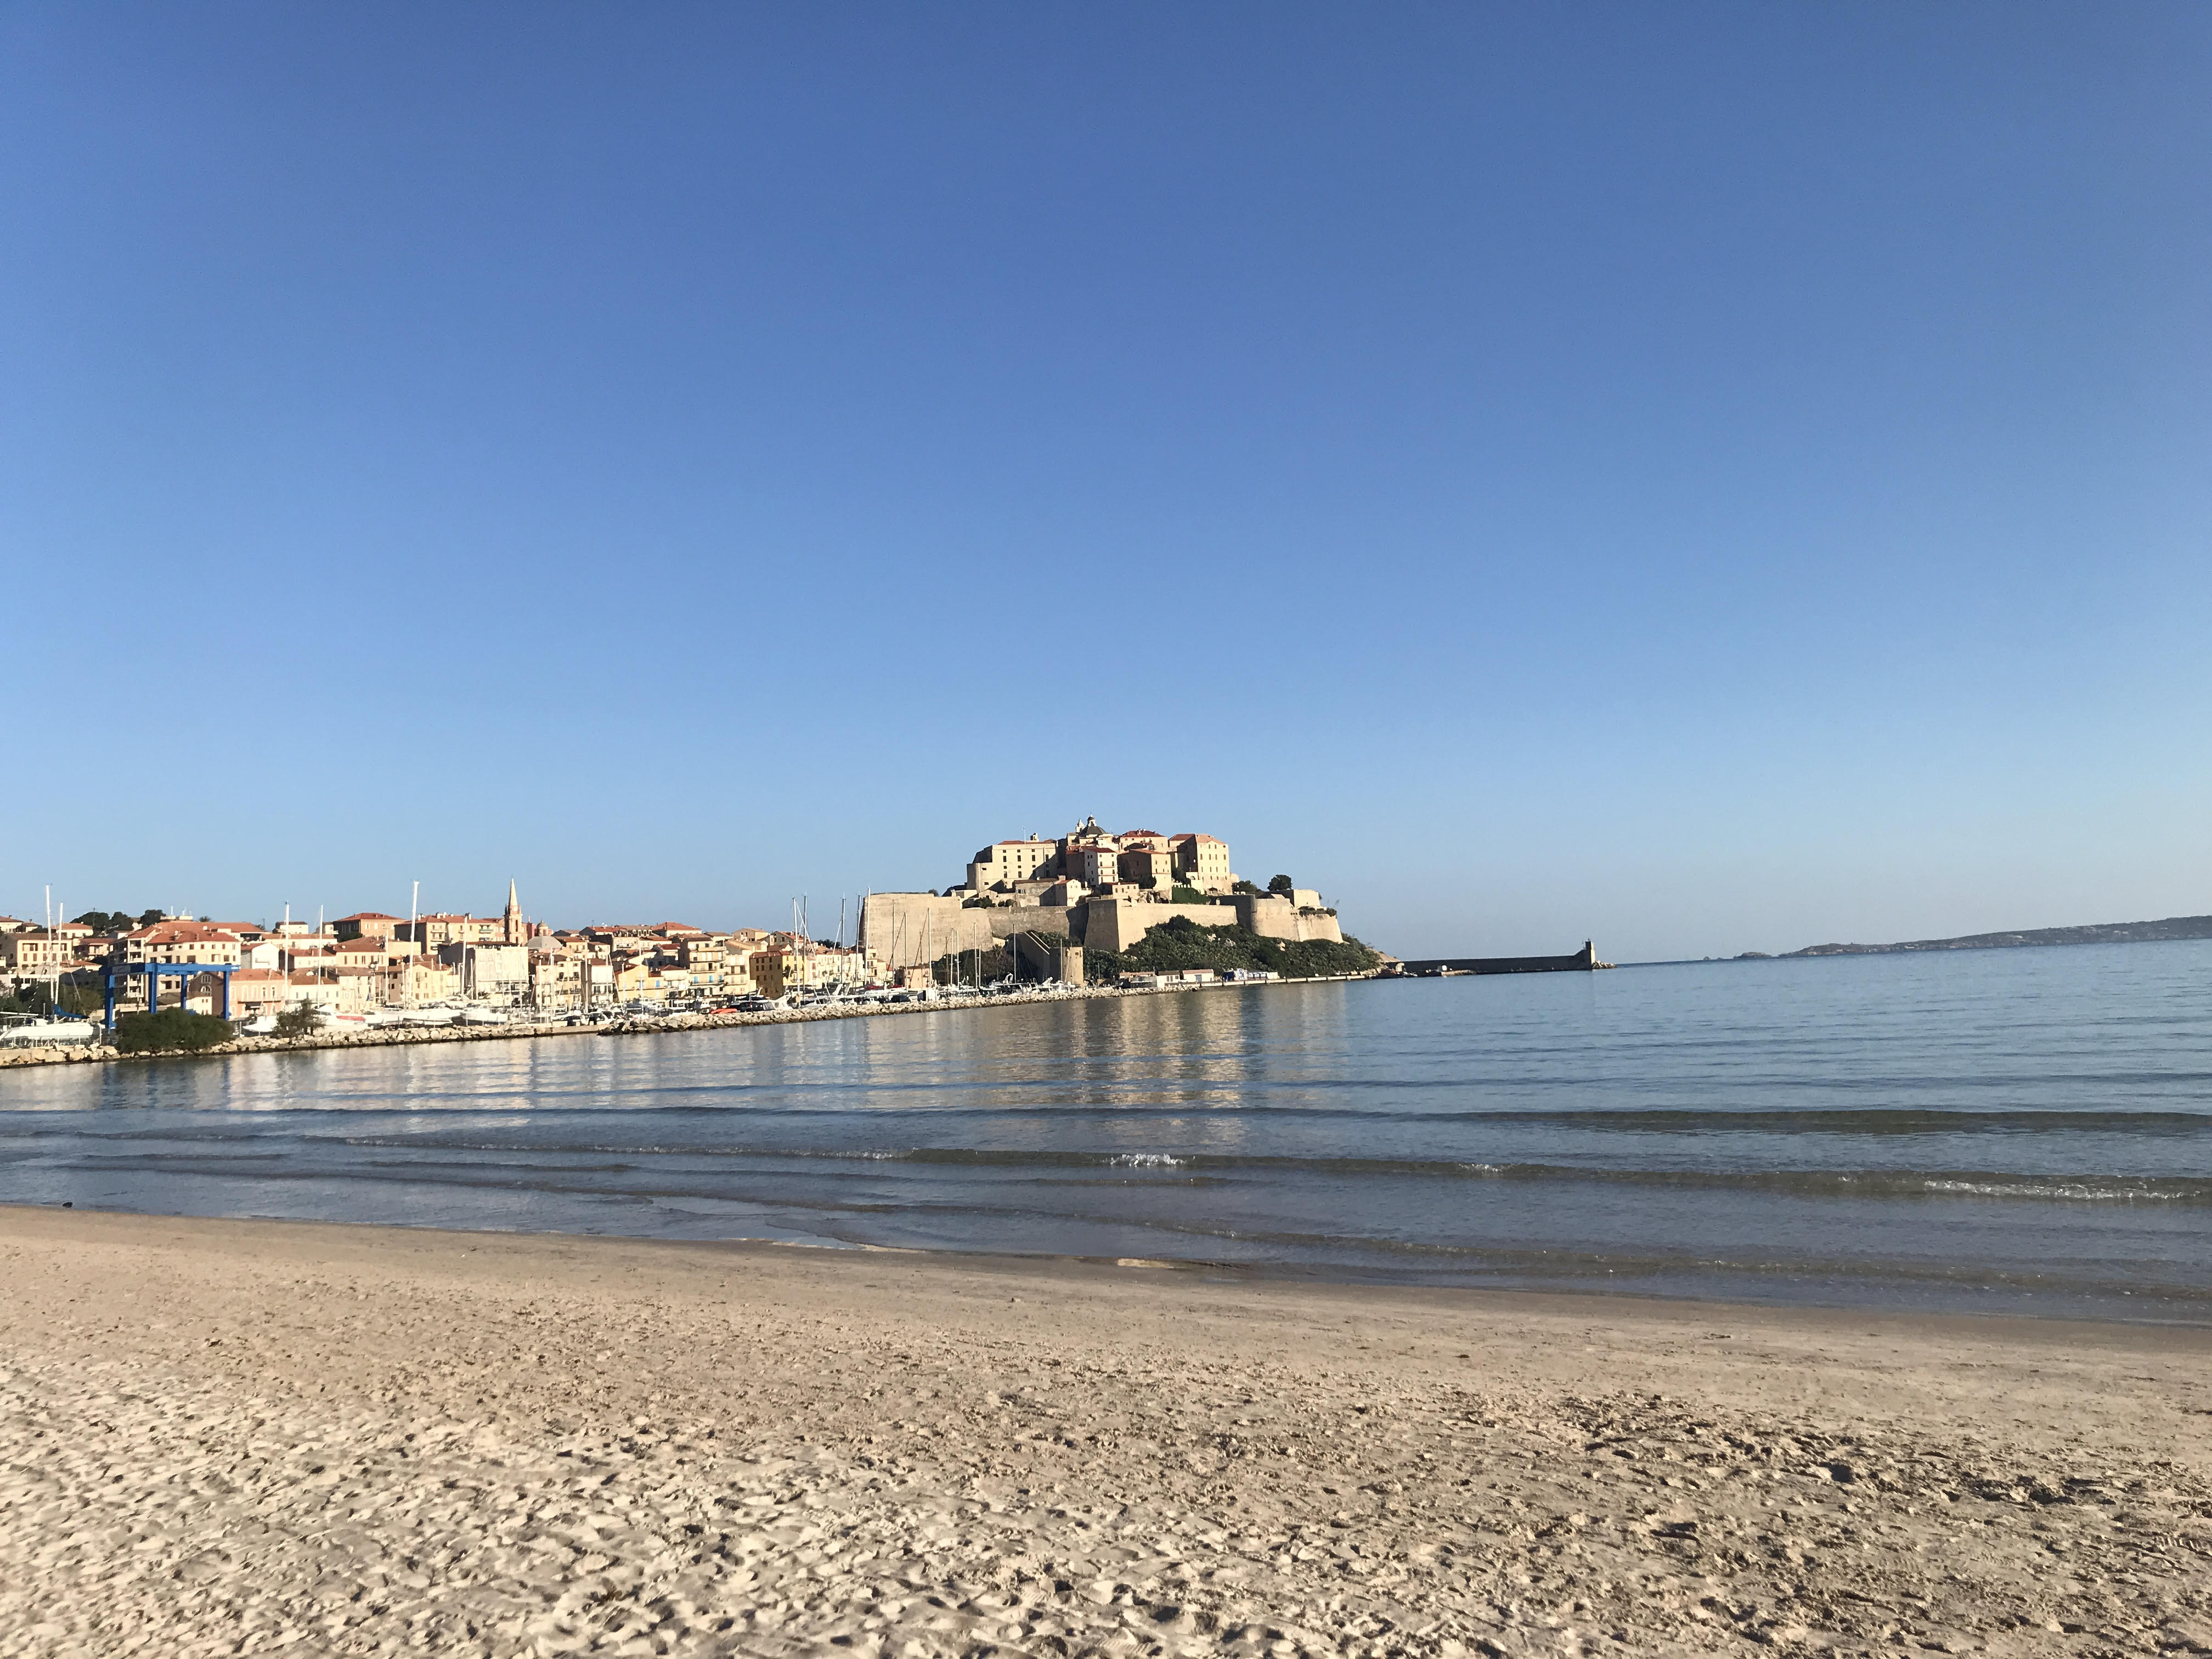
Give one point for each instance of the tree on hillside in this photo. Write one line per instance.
(106, 921)
(1281, 884)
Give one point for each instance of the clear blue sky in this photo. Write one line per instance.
(1704, 477)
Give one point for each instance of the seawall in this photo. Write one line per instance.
(1582, 962)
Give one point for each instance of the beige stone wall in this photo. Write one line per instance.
(904, 929)
(1117, 925)
(1279, 918)
(1031, 919)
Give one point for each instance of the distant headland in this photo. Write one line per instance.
(2103, 932)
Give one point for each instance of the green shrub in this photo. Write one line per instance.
(173, 1028)
(1180, 943)
(298, 1020)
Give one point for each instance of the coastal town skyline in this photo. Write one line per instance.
(1034, 908)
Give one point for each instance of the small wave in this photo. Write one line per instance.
(2104, 1192)
(1896, 1182)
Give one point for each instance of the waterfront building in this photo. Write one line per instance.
(557, 974)
(412, 982)
(793, 964)
(719, 968)
(257, 991)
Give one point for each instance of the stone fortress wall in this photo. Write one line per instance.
(905, 930)
(1117, 924)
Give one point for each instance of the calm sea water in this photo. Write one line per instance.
(2018, 1131)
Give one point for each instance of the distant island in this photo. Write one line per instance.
(2103, 932)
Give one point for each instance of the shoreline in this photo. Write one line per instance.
(1265, 1279)
(231, 1435)
(630, 1025)
(1261, 1276)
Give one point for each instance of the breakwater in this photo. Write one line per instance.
(1580, 962)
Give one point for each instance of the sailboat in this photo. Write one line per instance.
(53, 1029)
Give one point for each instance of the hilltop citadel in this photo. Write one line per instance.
(1098, 891)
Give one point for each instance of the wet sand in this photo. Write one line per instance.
(233, 1436)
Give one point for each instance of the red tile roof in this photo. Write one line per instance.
(183, 933)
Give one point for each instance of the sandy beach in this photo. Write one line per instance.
(233, 1437)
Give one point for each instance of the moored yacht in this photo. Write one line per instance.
(52, 1031)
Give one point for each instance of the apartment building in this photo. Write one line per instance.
(451, 927)
(34, 953)
(183, 941)
(365, 924)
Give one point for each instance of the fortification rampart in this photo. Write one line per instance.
(1033, 918)
(907, 929)
(1284, 918)
(1118, 924)
(904, 930)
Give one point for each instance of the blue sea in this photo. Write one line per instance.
(2018, 1131)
